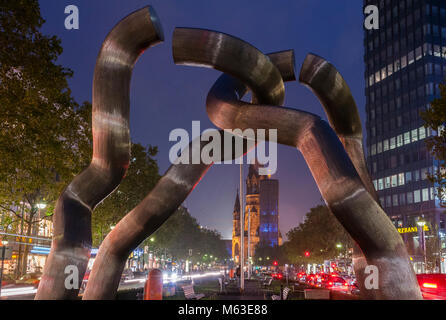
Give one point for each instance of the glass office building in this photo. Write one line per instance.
(405, 61)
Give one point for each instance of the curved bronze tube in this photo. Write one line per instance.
(336, 98)
(172, 189)
(111, 151)
(335, 174)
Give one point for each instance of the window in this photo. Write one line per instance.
(422, 133)
(401, 179)
(406, 137)
(399, 140)
(389, 201)
(386, 145)
(394, 181)
(418, 53)
(395, 200)
(402, 199)
(392, 143)
(408, 177)
(380, 184)
(379, 148)
(387, 182)
(373, 149)
(424, 173)
(416, 175)
(410, 57)
(409, 197)
(425, 194)
(414, 135)
(403, 62)
(416, 196)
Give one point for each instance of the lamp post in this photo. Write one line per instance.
(421, 224)
(4, 244)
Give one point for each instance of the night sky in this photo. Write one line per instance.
(165, 96)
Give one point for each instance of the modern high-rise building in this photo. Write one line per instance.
(405, 61)
(261, 214)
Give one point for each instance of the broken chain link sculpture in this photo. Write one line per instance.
(334, 155)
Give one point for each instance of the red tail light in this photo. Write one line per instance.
(430, 285)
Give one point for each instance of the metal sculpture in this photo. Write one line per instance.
(168, 194)
(71, 243)
(336, 174)
(338, 168)
(343, 115)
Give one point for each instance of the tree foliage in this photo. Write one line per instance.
(318, 234)
(141, 177)
(181, 233)
(44, 135)
(435, 118)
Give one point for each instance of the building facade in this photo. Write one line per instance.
(405, 61)
(261, 216)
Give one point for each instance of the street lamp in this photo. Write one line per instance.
(41, 205)
(339, 246)
(421, 224)
(4, 244)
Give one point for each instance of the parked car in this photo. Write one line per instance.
(432, 285)
(30, 279)
(277, 275)
(335, 282)
(127, 274)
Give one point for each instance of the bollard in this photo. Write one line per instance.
(153, 289)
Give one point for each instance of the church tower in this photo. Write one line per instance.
(261, 216)
(236, 229)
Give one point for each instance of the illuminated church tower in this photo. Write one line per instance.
(261, 207)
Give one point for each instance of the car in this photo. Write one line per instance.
(335, 282)
(30, 278)
(301, 277)
(432, 286)
(310, 279)
(277, 275)
(127, 274)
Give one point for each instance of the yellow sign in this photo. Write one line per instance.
(23, 240)
(412, 229)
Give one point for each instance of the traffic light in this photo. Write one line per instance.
(275, 263)
(307, 253)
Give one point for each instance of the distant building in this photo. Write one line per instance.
(262, 207)
(405, 62)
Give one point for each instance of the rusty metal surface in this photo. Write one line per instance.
(71, 243)
(335, 173)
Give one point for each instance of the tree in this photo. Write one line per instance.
(181, 233)
(319, 235)
(435, 118)
(265, 254)
(141, 177)
(43, 131)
